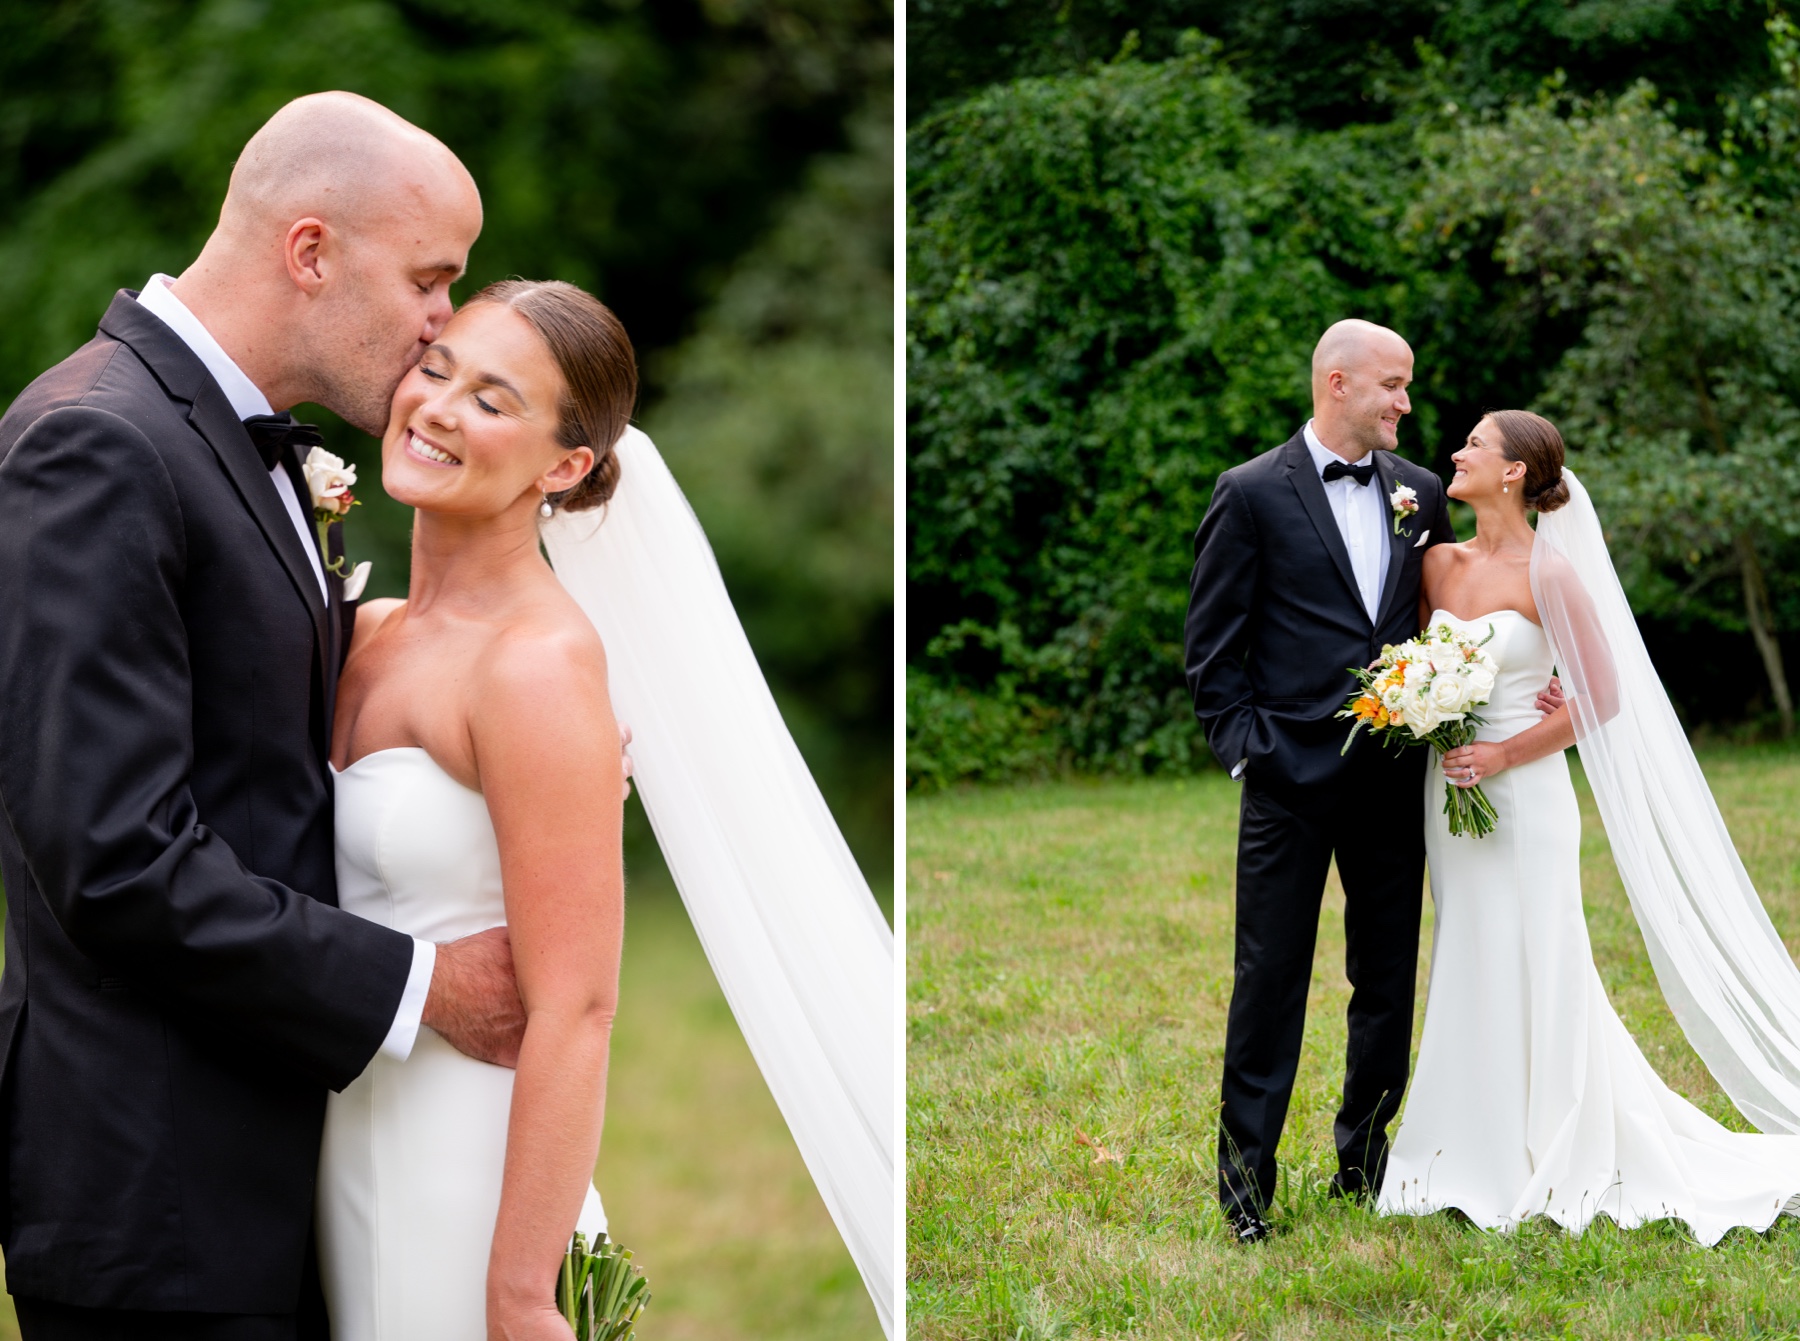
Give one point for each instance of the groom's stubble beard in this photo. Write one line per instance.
(1367, 434)
(357, 355)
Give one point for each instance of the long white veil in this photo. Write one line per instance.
(1721, 966)
(799, 946)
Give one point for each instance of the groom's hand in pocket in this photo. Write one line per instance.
(474, 1001)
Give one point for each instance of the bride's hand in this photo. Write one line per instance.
(1472, 764)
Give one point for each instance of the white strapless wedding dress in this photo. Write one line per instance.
(1530, 1097)
(410, 1170)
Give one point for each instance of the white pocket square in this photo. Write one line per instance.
(1423, 537)
(358, 579)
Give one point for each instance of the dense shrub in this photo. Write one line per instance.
(1115, 279)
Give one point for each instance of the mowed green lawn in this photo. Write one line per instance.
(1069, 968)
(700, 1177)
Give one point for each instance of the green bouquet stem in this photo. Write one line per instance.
(599, 1292)
(1467, 808)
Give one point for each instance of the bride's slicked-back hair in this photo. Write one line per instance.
(599, 370)
(1533, 439)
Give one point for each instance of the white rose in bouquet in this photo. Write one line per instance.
(1449, 694)
(1444, 657)
(1420, 715)
(1480, 675)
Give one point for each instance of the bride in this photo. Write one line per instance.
(478, 784)
(1530, 1097)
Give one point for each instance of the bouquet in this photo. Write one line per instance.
(599, 1292)
(1424, 691)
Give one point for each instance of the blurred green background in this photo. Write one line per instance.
(1127, 225)
(720, 172)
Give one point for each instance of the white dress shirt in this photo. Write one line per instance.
(247, 399)
(1360, 512)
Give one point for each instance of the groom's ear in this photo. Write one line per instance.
(304, 249)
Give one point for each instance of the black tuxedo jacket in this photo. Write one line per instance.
(1275, 620)
(180, 988)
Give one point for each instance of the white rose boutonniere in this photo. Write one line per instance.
(1403, 501)
(328, 480)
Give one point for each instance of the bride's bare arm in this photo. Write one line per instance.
(1589, 674)
(1469, 765)
(547, 748)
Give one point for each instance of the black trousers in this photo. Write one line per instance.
(41, 1320)
(1371, 823)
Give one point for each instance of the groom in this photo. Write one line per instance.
(180, 988)
(1304, 565)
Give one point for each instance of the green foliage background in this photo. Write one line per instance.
(718, 171)
(1127, 227)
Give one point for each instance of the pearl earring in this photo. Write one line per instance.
(544, 508)
(1505, 489)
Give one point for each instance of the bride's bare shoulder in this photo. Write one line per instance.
(548, 656)
(370, 616)
(1442, 559)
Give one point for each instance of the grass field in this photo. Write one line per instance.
(700, 1177)
(1069, 967)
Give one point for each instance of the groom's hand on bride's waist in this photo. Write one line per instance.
(1550, 697)
(474, 1001)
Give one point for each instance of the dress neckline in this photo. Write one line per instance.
(355, 764)
(1476, 619)
(358, 762)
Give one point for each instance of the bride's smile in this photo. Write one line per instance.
(476, 426)
(421, 447)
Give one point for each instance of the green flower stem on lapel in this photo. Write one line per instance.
(328, 480)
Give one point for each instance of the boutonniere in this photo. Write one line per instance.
(1403, 501)
(328, 480)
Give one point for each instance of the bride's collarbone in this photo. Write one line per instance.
(1467, 592)
(418, 697)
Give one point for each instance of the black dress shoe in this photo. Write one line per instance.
(1353, 1187)
(1248, 1226)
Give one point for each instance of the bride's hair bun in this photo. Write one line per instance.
(599, 370)
(1533, 439)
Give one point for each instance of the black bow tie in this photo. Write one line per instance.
(274, 433)
(1337, 470)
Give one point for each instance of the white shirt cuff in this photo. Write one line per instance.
(1238, 770)
(404, 1031)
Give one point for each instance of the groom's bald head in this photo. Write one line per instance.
(330, 269)
(348, 160)
(1360, 372)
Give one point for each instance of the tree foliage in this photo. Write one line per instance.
(1115, 279)
(1115, 282)
(1329, 63)
(1682, 394)
(671, 157)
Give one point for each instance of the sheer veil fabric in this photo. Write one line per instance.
(800, 948)
(1721, 966)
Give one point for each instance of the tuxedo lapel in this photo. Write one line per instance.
(1387, 476)
(1305, 479)
(185, 378)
